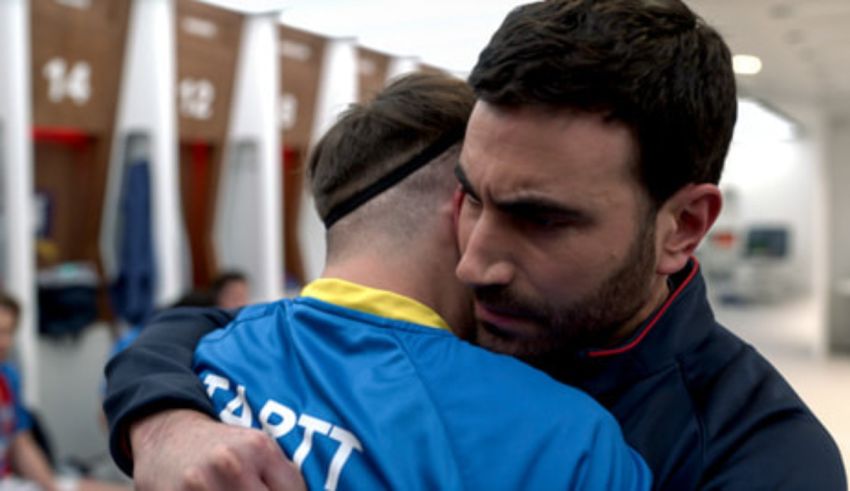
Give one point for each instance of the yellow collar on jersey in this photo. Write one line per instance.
(382, 303)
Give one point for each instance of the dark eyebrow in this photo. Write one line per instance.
(464, 182)
(528, 206)
(542, 207)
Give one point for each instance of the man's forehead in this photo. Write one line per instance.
(567, 159)
(487, 185)
(552, 141)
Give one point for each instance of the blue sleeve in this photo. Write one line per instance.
(22, 416)
(155, 374)
(613, 464)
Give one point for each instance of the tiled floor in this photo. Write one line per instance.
(787, 336)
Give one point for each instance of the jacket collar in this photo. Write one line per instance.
(678, 326)
(373, 301)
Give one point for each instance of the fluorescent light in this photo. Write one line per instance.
(746, 64)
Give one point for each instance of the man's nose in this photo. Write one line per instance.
(486, 258)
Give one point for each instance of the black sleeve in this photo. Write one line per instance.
(155, 374)
(794, 453)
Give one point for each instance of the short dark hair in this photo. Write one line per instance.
(196, 298)
(10, 304)
(369, 141)
(651, 64)
(222, 280)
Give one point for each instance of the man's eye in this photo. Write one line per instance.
(545, 221)
(472, 200)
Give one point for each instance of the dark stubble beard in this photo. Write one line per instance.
(590, 322)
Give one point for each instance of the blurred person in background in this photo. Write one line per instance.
(195, 298)
(23, 464)
(20, 455)
(230, 290)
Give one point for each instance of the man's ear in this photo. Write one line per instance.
(682, 222)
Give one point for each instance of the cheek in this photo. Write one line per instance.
(567, 269)
(463, 228)
(457, 204)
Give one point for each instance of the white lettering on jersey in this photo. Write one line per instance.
(310, 425)
(278, 420)
(287, 419)
(228, 414)
(214, 382)
(347, 442)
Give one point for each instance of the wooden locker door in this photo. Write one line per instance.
(77, 57)
(197, 190)
(64, 170)
(292, 192)
(208, 41)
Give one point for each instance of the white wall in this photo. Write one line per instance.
(254, 161)
(146, 105)
(71, 394)
(401, 65)
(785, 183)
(17, 169)
(839, 227)
(774, 184)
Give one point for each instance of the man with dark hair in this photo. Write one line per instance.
(589, 176)
(229, 290)
(631, 105)
(366, 347)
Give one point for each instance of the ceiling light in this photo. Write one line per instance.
(746, 64)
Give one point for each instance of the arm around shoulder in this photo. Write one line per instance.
(155, 374)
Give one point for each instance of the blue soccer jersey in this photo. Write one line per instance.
(13, 416)
(366, 389)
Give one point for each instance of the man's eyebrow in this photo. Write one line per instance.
(542, 207)
(464, 182)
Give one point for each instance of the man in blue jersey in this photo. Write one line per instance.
(20, 455)
(359, 379)
(24, 466)
(589, 175)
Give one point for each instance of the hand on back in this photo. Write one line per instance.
(182, 450)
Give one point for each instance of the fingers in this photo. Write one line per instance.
(202, 455)
(281, 474)
(276, 471)
(253, 463)
(223, 470)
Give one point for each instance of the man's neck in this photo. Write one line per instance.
(406, 278)
(368, 271)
